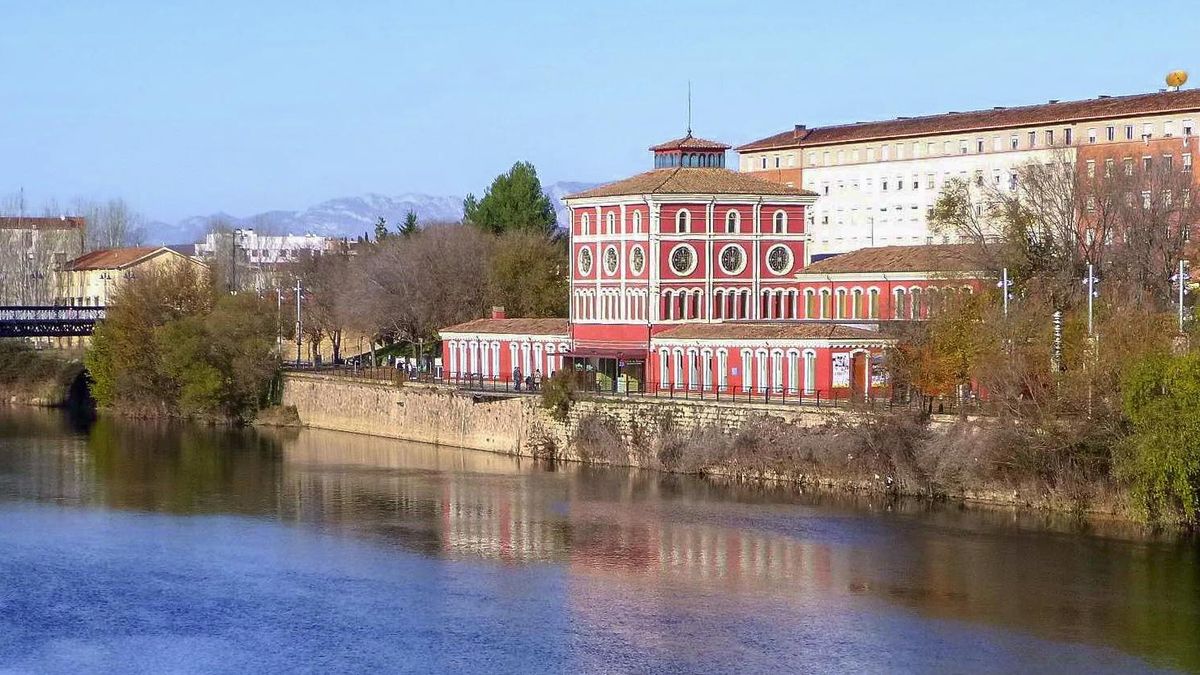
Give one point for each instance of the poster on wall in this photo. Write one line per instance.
(841, 370)
(879, 373)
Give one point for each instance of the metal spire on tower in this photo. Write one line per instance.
(689, 109)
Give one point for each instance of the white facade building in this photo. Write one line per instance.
(265, 249)
(876, 181)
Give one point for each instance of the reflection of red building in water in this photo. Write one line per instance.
(694, 277)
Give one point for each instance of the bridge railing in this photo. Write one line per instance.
(51, 313)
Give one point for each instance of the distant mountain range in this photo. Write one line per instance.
(340, 217)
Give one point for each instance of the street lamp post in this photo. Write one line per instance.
(279, 323)
(299, 339)
(1004, 284)
(1090, 281)
(233, 287)
(1181, 279)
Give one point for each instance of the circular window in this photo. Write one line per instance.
(683, 260)
(585, 261)
(611, 260)
(637, 260)
(733, 259)
(779, 259)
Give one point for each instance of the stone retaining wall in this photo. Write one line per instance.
(507, 424)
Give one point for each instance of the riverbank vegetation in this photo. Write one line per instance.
(1085, 396)
(173, 344)
(29, 375)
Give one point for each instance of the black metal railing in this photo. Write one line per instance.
(876, 398)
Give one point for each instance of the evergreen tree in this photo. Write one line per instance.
(409, 227)
(381, 231)
(514, 201)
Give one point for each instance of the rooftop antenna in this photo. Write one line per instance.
(689, 119)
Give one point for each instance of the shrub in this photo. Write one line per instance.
(1161, 458)
(170, 343)
(21, 363)
(597, 439)
(559, 393)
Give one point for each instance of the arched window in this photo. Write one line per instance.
(722, 369)
(812, 309)
(777, 370)
(695, 311)
(856, 308)
(761, 363)
(779, 222)
(793, 372)
(637, 221)
(839, 308)
(747, 370)
(610, 221)
(683, 221)
(732, 220)
(916, 304)
(746, 304)
(664, 359)
(584, 222)
(873, 303)
(718, 304)
(826, 304)
(810, 371)
(900, 305)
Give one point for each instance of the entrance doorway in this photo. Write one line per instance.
(860, 375)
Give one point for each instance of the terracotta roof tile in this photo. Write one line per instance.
(765, 330)
(981, 120)
(512, 326)
(685, 180)
(54, 223)
(111, 258)
(690, 142)
(927, 258)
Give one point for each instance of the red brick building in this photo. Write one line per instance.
(693, 277)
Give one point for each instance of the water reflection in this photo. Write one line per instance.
(645, 538)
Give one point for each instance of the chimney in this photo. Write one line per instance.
(799, 130)
(497, 312)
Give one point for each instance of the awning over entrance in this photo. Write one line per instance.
(605, 353)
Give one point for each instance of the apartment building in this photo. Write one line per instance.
(876, 181)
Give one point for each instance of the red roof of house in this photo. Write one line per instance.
(690, 142)
(557, 327)
(55, 223)
(691, 180)
(768, 330)
(112, 258)
(882, 259)
(1105, 107)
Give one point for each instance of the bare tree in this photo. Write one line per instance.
(323, 276)
(1049, 220)
(406, 288)
(111, 224)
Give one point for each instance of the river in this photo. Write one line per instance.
(150, 547)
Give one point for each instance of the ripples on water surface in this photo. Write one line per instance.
(133, 547)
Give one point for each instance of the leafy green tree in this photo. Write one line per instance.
(409, 227)
(514, 201)
(527, 275)
(381, 231)
(1161, 459)
(170, 344)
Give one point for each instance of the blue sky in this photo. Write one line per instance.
(185, 108)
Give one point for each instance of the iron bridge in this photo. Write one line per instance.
(48, 321)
